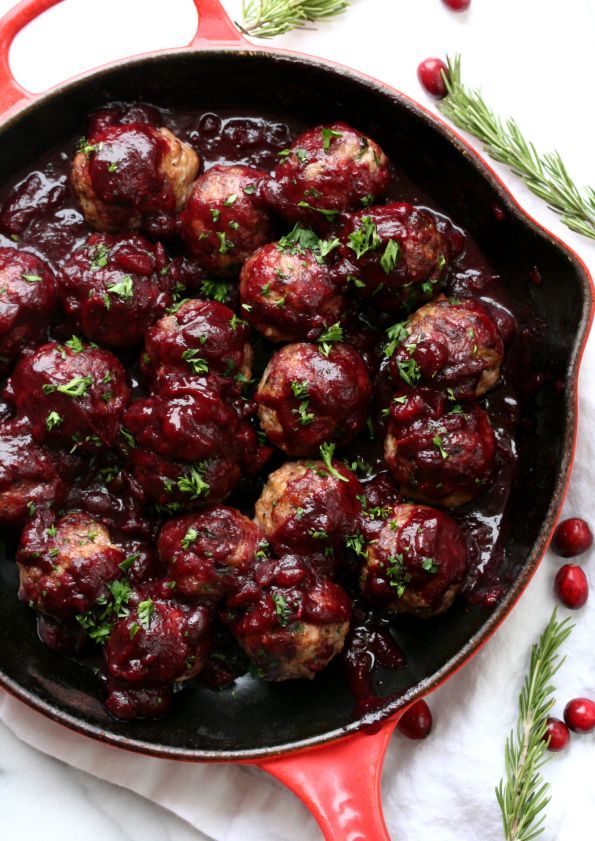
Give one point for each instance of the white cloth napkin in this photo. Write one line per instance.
(441, 789)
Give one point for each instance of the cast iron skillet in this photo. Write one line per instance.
(304, 734)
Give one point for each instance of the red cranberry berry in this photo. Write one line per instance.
(556, 735)
(429, 74)
(571, 586)
(579, 715)
(457, 5)
(416, 723)
(573, 537)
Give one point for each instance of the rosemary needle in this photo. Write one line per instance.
(268, 18)
(545, 176)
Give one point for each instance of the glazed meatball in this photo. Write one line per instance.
(308, 506)
(200, 337)
(205, 553)
(223, 223)
(28, 475)
(395, 253)
(131, 173)
(27, 300)
(294, 624)
(288, 294)
(442, 456)
(160, 642)
(115, 287)
(416, 562)
(326, 171)
(190, 446)
(73, 394)
(450, 345)
(65, 566)
(307, 396)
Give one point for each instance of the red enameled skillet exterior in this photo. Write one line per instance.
(333, 764)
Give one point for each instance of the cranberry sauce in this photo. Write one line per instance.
(41, 213)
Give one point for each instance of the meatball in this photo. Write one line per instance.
(450, 345)
(309, 507)
(199, 337)
(293, 624)
(395, 253)
(416, 562)
(288, 294)
(190, 444)
(206, 552)
(223, 222)
(28, 475)
(115, 287)
(27, 300)
(74, 395)
(131, 173)
(441, 456)
(65, 567)
(159, 642)
(308, 395)
(326, 171)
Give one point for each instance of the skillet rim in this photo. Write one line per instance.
(539, 547)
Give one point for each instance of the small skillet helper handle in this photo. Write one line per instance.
(11, 93)
(340, 784)
(214, 26)
(214, 29)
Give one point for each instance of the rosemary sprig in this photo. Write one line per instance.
(545, 176)
(523, 796)
(268, 18)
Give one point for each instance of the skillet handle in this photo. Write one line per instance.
(214, 29)
(340, 784)
(11, 93)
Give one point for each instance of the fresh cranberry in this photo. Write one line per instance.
(571, 586)
(573, 537)
(556, 735)
(579, 715)
(430, 75)
(457, 5)
(416, 723)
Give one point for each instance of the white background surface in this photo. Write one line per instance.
(534, 60)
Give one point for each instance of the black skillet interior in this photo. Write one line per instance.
(255, 717)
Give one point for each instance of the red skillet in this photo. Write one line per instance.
(305, 735)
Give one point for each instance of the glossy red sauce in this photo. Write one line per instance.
(41, 213)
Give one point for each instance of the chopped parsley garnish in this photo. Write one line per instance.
(235, 321)
(75, 344)
(299, 389)
(189, 538)
(327, 213)
(357, 544)
(439, 444)
(250, 189)
(129, 561)
(325, 246)
(397, 575)
(396, 334)
(429, 565)
(215, 214)
(230, 200)
(329, 337)
(318, 534)
(100, 257)
(441, 261)
(113, 167)
(282, 609)
(225, 245)
(457, 410)
(128, 437)
(216, 290)
(98, 623)
(53, 420)
(145, 612)
(77, 387)
(301, 155)
(326, 454)
(365, 238)
(409, 371)
(390, 258)
(123, 288)
(327, 136)
(31, 278)
(192, 482)
(366, 201)
(359, 284)
(195, 361)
